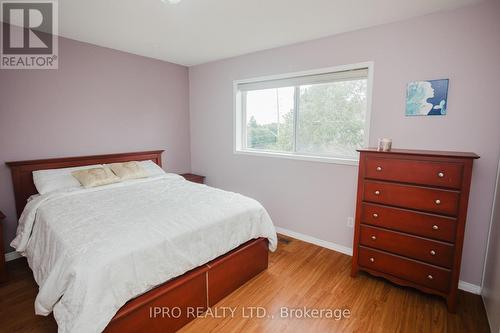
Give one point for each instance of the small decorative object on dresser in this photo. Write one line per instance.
(410, 218)
(384, 144)
(194, 178)
(3, 270)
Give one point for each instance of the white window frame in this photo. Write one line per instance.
(239, 128)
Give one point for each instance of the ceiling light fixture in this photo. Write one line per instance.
(172, 2)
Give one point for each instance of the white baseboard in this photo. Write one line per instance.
(465, 286)
(469, 287)
(12, 256)
(316, 241)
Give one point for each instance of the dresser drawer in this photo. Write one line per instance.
(406, 269)
(433, 252)
(421, 224)
(445, 174)
(414, 197)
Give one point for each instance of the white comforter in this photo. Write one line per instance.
(92, 250)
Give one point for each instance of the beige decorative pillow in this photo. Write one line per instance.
(129, 170)
(95, 177)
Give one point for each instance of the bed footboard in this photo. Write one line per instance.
(177, 302)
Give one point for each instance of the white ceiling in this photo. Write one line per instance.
(198, 31)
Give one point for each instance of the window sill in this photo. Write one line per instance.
(309, 158)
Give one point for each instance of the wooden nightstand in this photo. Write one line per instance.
(3, 270)
(194, 178)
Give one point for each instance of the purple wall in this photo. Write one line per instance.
(491, 281)
(98, 101)
(316, 198)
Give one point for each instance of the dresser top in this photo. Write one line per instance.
(422, 152)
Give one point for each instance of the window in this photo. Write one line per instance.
(320, 115)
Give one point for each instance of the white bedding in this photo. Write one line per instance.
(92, 250)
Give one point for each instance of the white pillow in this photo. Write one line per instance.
(152, 169)
(58, 179)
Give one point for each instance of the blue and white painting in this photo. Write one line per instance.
(427, 98)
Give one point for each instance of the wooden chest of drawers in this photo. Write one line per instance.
(410, 218)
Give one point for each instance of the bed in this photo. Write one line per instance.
(108, 258)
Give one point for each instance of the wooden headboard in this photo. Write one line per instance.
(22, 171)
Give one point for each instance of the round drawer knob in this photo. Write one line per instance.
(377, 192)
(372, 259)
(435, 227)
(374, 237)
(440, 174)
(438, 202)
(375, 215)
(379, 168)
(433, 253)
(430, 277)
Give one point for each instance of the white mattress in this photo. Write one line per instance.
(92, 250)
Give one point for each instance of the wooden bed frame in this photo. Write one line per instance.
(186, 295)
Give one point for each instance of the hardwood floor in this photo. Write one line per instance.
(299, 275)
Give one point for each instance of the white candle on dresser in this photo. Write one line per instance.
(384, 144)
